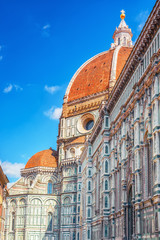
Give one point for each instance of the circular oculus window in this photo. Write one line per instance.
(85, 123)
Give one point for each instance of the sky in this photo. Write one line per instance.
(42, 44)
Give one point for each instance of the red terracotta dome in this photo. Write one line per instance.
(43, 158)
(94, 75)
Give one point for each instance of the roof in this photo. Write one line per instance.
(122, 58)
(3, 177)
(94, 75)
(43, 158)
(78, 140)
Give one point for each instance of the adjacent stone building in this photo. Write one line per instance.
(3, 194)
(103, 182)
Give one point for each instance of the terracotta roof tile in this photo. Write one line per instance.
(43, 158)
(123, 55)
(78, 140)
(93, 78)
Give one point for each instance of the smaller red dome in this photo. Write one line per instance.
(43, 158)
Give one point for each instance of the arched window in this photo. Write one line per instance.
(74, 236)
(106, 231)
(67, 200)
(50, 187)
(89, 199)
(75, 198)
(72, 151)
(88, 234)
(106, 122)
(13, 221)
(106, 149)
(89, 186)
(119, 41)
(79, 197)
(106, 184)
(49, 228)
(106, 166)
(74, 219)
(31, 182)
(78, 236)
(89, 172)
(106, 202)
(89, 212)
(78, 209)
(21, 212)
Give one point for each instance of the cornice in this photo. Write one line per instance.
(39, 170)
(86, 98)
(138, 50)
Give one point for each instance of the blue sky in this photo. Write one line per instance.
(42, 44)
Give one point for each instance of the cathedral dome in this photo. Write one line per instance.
(94, 76)
(43, 158)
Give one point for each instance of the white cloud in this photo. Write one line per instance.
(141, 19)
(12, 169)
(53, 113)
(8, 89)
(18, 88)
(46, 26)
(51, 89)
(46, 30)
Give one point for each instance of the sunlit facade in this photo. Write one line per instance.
(103, 181)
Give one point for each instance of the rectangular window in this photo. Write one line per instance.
(88, 234)
(79, 169)
(106, 231)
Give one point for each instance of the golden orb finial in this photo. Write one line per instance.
(122, 14)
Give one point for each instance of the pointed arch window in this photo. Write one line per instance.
(50, 187)
(106, 149)
(49, 221)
